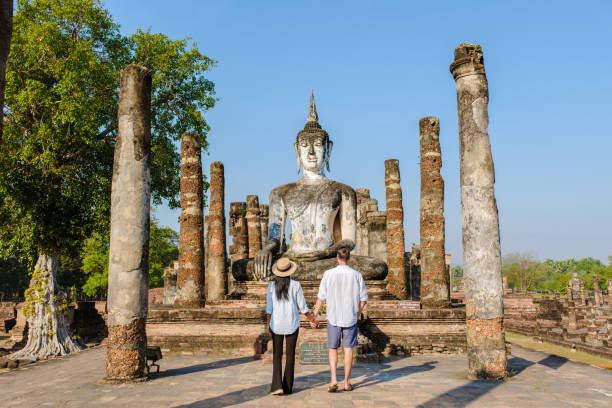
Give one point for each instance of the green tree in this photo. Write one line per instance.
(56, 156)
(521, 270)
(456, 274)
(163, 249)
(562, 283)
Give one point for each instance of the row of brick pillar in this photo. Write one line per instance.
(128, 280)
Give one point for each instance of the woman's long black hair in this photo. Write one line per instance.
(282, 287)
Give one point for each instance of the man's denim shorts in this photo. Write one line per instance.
(348, 335)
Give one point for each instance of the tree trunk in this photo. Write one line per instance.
(6, 30)
(45, 308)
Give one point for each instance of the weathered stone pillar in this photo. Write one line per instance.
(169, 276)
(190, 276)
(597, 291)
(264, 217)
(481, 247)
(361, 243)
(572, 324)
(434, 285)
(238, 230)
(205, 239)
(6, 31)
(610, 293)
(395, 230)
(375, 240)
(216, 274)
(128, 266)
(414, 275)
(254, 229)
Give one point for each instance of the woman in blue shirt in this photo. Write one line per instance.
(284, 298)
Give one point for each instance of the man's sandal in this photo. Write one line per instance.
(332, 388)
(350, 388)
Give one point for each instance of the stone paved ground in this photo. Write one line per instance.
(540, 380)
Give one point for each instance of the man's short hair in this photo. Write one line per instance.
(344, 254)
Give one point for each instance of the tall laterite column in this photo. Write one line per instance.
(128, 266)
(434, 283)
(395, 230)
(216, 274)
(481, 247)
(190, 276)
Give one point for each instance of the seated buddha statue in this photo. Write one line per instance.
(322, 213)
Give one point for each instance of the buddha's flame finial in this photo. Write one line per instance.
(312, 114)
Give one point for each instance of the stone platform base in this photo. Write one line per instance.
(377, 290)
(237, 327)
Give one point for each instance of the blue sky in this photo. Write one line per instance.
(377, 67)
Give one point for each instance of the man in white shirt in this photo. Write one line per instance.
(343, 290)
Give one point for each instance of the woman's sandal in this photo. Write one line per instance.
(332, 388)
(350, 388)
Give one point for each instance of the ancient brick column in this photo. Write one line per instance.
(434, 285)
(190, 276)
(395, 230)
(216, 274)
(128, 267)
(481, 248)
(264, 217)
(238, 230)
(6, 31)
(254, 228)
(610, 294)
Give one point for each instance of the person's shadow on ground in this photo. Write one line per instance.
(390, 375)
(314, 380)
(200, 367)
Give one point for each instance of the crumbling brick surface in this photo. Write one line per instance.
(434, 280)
(190, 275)
(126, 351)
(395, 230)
(216, 277)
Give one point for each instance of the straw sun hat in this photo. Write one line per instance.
(284, 267)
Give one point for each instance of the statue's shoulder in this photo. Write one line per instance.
(344, 188)
(280, 191)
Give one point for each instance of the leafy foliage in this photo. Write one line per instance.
(456, 275)
(163, 250)
(525, 273)
(56, 156)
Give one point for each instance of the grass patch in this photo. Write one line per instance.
(560, 351)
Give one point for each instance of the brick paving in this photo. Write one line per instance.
(539, 380)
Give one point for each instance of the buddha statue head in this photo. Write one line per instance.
(312, 145)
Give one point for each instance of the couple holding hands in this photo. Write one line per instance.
(342, 289)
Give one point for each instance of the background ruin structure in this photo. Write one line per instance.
(264, 216)
(435, 281)
(371, 227)
(253, 225)
(216, 274)
(395, 230)
(128, 268)
(238, 230)
(481, 247)
(190, 276)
